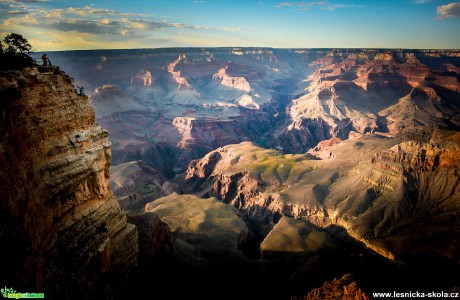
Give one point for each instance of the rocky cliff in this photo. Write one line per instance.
(135, 184)
(384, 191)
(62, 229)
(239, 83)
(370, 91)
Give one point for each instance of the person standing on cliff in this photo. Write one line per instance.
(46, 60)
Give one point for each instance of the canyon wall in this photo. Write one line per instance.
(387, 193)
(63, 232)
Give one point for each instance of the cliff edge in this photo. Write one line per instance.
(62, 230)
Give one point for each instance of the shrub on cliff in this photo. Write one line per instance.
(16, 53)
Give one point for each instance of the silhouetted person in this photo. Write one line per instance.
(46, 60)
(81, 90)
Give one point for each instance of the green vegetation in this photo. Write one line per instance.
(15, 55)
(358, 145)
(268, 165)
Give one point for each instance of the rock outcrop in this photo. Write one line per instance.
(239, 83)
(55, 193)
(204, 229)
(155, 239)
(295, 239)
(143, 78)
(135, 184)
(182, 83)
(344, 288)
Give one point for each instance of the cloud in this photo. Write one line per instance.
(337, 6)
(420, 1)
(17, 12)
(324, 5)
(87, 27)
(88, 20)
(84, 26)
(448, 11)
(89, 10)
(233, 29)
(302, 4)
(146, 24)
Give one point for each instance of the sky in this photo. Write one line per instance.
(103, 24)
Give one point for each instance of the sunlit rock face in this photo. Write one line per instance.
(54, 190)
(143, 78)
(239, 83)
(370, 91)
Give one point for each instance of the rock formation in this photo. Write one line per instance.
(203, 228)
(344, 288)
(239, 83)
(368, 92)
(135, 184)
(181, 81)
(143, 78)
(155, 240)
(55, 193)
(294, 239)
(377, 196)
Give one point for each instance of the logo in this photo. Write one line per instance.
(9, 293)
(5, 291)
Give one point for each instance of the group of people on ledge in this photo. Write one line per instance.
(46, 60)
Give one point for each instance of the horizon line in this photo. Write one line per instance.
(252, 47)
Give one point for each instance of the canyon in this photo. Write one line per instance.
(306, 172)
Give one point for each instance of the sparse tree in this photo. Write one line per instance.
(17, 45)
(16, 52)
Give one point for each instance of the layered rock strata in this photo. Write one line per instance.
(54, 189)
(386, 194)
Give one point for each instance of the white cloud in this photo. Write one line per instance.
(420, 1)
(86, 27)
(324, 5)
(17, 12)
(448, 11)
(232, 29)
(88, 20)
(90, 10)
(302, 4)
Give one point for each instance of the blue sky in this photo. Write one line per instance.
(104, 24)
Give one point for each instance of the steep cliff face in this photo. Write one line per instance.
(54, 188)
